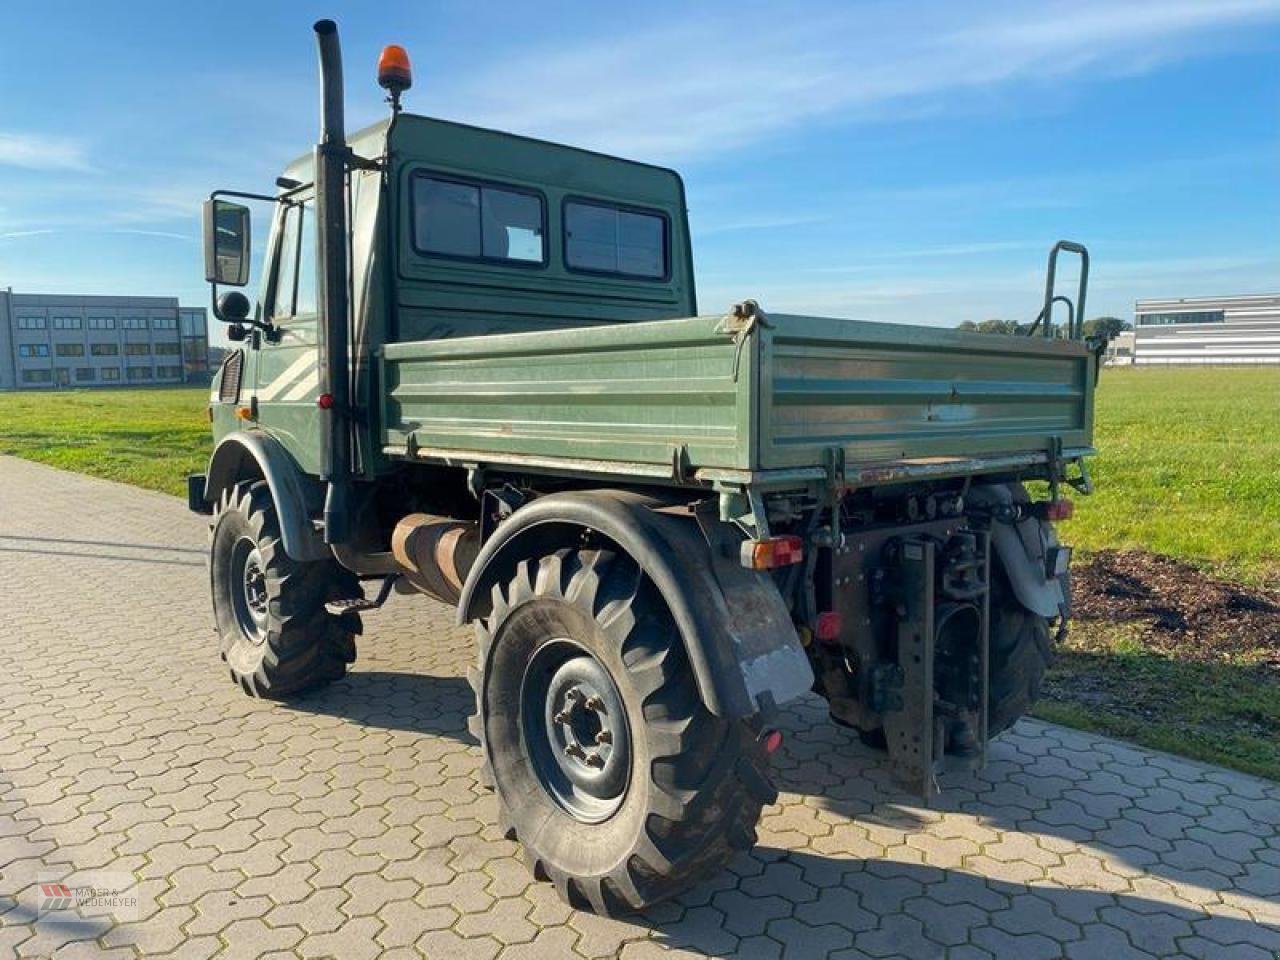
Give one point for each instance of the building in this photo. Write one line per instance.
(193, 330)
(1207, 330)
(1119, 351)
(48, 341)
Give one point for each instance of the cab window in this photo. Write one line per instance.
(295, 291)
(477, 221)
(603, 238)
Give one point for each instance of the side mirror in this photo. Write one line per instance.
(226, 242)
(233, 307)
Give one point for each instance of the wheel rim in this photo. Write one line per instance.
(575, 730)
(249, 590)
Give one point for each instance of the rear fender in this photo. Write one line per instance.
(1023, 550)
(252, 454)
(736, 629)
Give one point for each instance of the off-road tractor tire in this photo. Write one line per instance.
(1020, 653)
(276, 636)
(621, 786)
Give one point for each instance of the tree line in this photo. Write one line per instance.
(1108, 327)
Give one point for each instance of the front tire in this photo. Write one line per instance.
(622, 787)
(275, 635)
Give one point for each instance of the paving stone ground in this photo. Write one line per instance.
(352, 824)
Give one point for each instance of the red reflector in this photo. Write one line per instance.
(775, 552)
(1059, 510)
(325, 401)
(828, 625)
(772, 740)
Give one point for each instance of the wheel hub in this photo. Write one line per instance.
(578, 735)
(250, 601)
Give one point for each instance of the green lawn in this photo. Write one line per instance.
(1189, 466)
(151, 438)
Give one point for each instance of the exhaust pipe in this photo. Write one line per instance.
(331, 161)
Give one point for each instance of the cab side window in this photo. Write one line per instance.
(295, 293)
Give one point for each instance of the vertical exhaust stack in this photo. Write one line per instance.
(331, 160)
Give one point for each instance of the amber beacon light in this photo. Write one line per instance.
(394, 73)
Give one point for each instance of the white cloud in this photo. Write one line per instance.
(712, 85)
(34, 151)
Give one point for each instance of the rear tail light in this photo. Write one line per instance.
(774, 552)
(828, 626)
(1053, 510)
(772, 740)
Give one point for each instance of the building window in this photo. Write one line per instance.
(166, 349)
(37, 376)
(1186, 316)
(102, 323)
(477, 221)
(84, 373)
(193, 323)
(70, 349)
(164, 323)
(139, 373)
(66, 323)
(104, 349)
(599, 238)
(133, 323)
(31, 323)
(110, 373)
(168, 373)
(33, 349)
(137, 349)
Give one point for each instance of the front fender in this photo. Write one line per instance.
(736, 629)
(252, 453)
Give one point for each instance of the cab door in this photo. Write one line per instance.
(287, 372)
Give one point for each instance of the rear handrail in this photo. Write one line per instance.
(1071, 313)
(1075, 317)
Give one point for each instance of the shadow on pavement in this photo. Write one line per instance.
(166, 548)
(410, 702)
(884, 908)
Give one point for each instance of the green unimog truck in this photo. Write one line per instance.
(478, 370)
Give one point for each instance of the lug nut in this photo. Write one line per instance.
(561, 717)
(594, 760)
(594, 704)
(575, 750)
(604, 736)
(572, 694)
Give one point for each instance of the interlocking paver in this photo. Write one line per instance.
(351, 823)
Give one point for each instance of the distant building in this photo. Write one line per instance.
(1120, 349)
(1207, 330)
(49, 341)
(193, 328)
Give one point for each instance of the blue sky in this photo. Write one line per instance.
(904, 162)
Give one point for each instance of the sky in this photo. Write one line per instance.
(906, 162)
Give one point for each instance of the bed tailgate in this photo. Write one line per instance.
(886, 393)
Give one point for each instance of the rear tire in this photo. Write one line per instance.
(578, 645)
(1021, 651)
(275, 634)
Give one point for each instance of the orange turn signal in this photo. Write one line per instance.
(394, 73)
(244, 413)
(775, 552)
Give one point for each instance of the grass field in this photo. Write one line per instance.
(1189, 467)
(150, 438)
